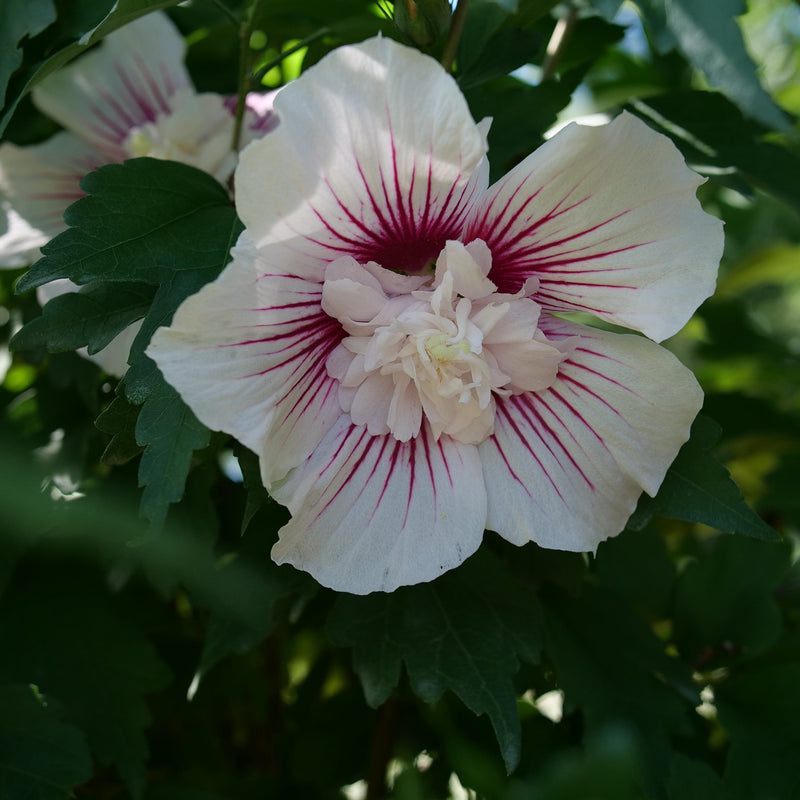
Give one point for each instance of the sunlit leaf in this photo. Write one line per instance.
(709, 36)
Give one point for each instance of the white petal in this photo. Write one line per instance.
(247, 354)
(370, 513)
(376, 156)
(126, 81)
(469, 266)
(607, 218)
(566, 466)
(37, 184)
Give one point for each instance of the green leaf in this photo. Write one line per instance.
(169, 433)
(465, 632)
(90, 317)
(609, 768)
(20, 19)
(41, 756)
(698, 488)
(62, 630)
(715, 136)
(495, 42)
(76, 31)
(724, 601)
(145, 220)
(240, 632)
(257, 495)
(708, 35)
(759, 709)
(154, 222)
(520, 115)
(636, 566)
(119, 421)
(611, 666)
(509, 49)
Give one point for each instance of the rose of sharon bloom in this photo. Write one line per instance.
(385, 336)
(131, 96)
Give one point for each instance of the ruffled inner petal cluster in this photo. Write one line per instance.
(439, 350)
(388, 340)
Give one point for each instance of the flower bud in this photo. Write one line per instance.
(422, 21)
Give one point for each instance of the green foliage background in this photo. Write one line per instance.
(148, 647)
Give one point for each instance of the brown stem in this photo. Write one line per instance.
(382, 745)
(454, 35)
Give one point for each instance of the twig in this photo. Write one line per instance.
(226, 11)
(454, 35)
(383, 739)
(559, 39)
(285, 53)
(244, 83)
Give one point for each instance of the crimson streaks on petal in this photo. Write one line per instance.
(565, 466)
(109, 91)
(256, 367)
(384, 173)
(606, 218)
(387, 481)
(371, 513)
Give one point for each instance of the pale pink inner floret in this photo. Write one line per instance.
(198, 131)
(438, 347)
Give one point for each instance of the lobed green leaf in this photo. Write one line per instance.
(697, 488)
(465, 632)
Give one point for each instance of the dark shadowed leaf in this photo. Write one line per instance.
(464, 632)
(613, 669)
(636, 566)
(169, 433)
(20, 19)
(119, 421)
(759, 709)
(609, 768)
(724, 601)
(237, 632)
(91, 317)
(63, 631)
(520, 115)
(714, 135)
(41, 756)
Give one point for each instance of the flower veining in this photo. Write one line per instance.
(389, 334)
(197, 131)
